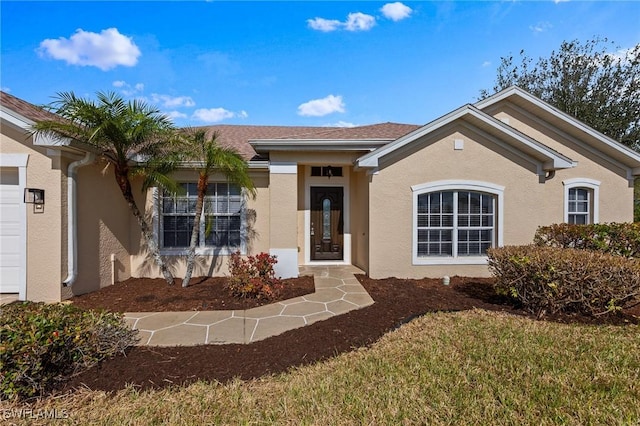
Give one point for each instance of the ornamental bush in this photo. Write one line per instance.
(621, 239)
(253, 276)
(43, 345)
(551, 279)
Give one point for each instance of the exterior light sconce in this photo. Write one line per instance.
(36, 197)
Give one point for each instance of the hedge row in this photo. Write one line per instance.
(552, 279)
(43, 345)
(621, 239)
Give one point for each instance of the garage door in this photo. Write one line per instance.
(11, 230)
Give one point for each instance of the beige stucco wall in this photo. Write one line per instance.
(257, 220)
(103, 220)
(46, 249)
(360, 219)
(528, 203)
(616, 193)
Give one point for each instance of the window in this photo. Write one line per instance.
(456, 222)
(327, 171)
(581, 201)
(578, 209)
(221, 224)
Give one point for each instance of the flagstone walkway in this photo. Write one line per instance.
(337, 292)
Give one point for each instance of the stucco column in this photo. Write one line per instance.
(283, 219)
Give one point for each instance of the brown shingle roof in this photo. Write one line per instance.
(238, 136)
(24, 108)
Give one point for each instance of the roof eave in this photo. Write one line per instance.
(342, 145)
(612, 148)
(544, 154)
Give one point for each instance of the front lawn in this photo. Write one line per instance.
(471, 367)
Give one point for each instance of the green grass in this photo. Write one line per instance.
(472, 367)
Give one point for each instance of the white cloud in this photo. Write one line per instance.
(168, 101)
(5, 89)
(486, 64)
(356, 21)
(321, 107)
(324, 25)
(105, 50)
(396, 11)
(341, 124)
(359, 22)
(541, 27)
(174, 115)
(624, 55)
(128, 90)
(215, 115)
(560, 1)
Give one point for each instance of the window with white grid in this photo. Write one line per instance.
(579, 206)
(455, 223)
(221, 224)
(581, 199)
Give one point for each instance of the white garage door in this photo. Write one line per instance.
(11, 230)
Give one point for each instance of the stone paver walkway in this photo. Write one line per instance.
(337, 292)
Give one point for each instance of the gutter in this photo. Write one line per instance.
(72, 232)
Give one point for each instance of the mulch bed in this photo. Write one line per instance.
(203, 294)
(397, 301)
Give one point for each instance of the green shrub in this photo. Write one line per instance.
(253, 276)
(551, 279)
(621, 239)
(42, 345)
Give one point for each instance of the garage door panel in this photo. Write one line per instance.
(10, 277)
(12, 239)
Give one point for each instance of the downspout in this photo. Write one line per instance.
(72, 232)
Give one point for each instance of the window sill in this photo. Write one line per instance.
(471, 260)
(210, 251)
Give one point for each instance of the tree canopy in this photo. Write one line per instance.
(593, 81)
(134, 138)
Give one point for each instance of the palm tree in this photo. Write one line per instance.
(207, 157)
(133, 137)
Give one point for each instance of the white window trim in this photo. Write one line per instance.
(456, 185)
(593, 185)
(200, 251)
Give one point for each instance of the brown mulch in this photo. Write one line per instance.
(397, 301)
(203, 294)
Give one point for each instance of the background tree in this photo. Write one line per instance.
(592, 81)
(208, 157)
(133, 137)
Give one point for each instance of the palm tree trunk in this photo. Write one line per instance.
(124, 184)
(203, 181)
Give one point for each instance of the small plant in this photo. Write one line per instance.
(43, 345)
(253, 276)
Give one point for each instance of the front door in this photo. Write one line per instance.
(327, 223)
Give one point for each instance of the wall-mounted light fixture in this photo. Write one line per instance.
(36, 197)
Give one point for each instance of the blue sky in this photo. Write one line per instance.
(289, 63)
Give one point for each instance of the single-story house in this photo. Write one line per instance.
(392, 199)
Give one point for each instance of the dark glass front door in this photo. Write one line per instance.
(327, 223)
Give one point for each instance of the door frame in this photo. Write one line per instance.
(336, 181)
